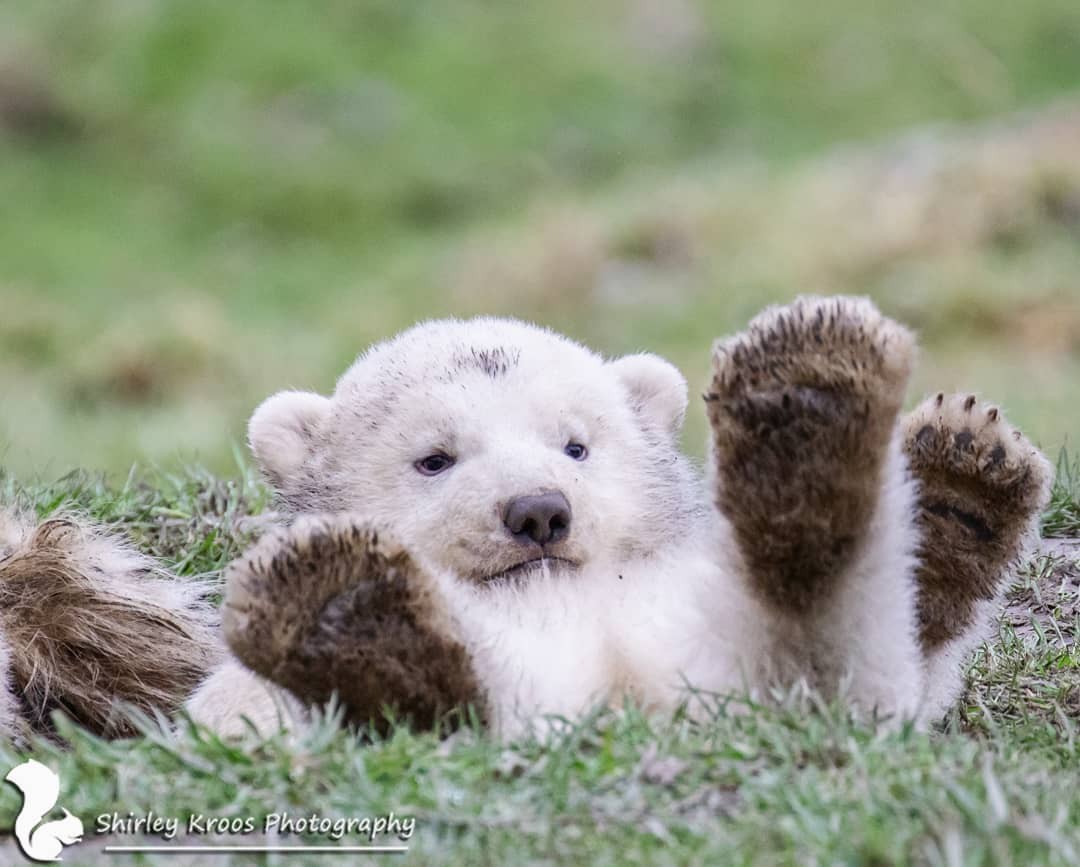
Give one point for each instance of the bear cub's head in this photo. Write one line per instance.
(492, 448)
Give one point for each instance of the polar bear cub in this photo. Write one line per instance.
(491, 515)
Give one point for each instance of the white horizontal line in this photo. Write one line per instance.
(188, 849)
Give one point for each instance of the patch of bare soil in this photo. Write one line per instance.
(1048, 600)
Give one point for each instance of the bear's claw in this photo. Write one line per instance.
(334, 604)
(982, 485)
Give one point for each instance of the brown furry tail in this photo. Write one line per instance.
(87, 624)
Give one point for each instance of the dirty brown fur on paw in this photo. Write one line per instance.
(802, 408)
(334, 604)
(91, 625)
(982, 488)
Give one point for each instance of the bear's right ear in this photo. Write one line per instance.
(280, 431)
(656, 389)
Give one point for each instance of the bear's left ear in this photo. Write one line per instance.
(281, 430)
(657, 390)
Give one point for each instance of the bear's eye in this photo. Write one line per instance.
(576, 451)
(434, 464)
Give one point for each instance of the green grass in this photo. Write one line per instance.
(190, 519)
(1063, 516)
(790, 786)
(796, 783)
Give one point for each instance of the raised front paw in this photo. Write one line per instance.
(813, 355)
(335, 604)
(982, 488)
(802, 408)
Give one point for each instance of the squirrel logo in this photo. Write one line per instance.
(40, 789)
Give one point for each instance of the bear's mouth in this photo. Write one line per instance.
(527, 567)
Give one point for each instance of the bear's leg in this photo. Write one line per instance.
(806, 468)
(333, 604)
(982, 487)
(233, 699)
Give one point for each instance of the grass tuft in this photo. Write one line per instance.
(796, 783)
(1063, 516)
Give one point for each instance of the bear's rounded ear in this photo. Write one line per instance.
(280, 431)
(656, 388)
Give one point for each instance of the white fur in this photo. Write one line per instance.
(280, 430)
(684, 617)
(656, 389)
(234, 699)
(12, 533)
(9, 704)
(659, 600)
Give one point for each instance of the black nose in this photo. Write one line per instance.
(543, 518)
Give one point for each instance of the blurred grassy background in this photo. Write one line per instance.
(202, 202)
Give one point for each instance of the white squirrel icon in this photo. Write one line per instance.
(40, 788)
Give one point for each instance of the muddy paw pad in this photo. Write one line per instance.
(982, 487)
(802, 407)
(336, 604)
